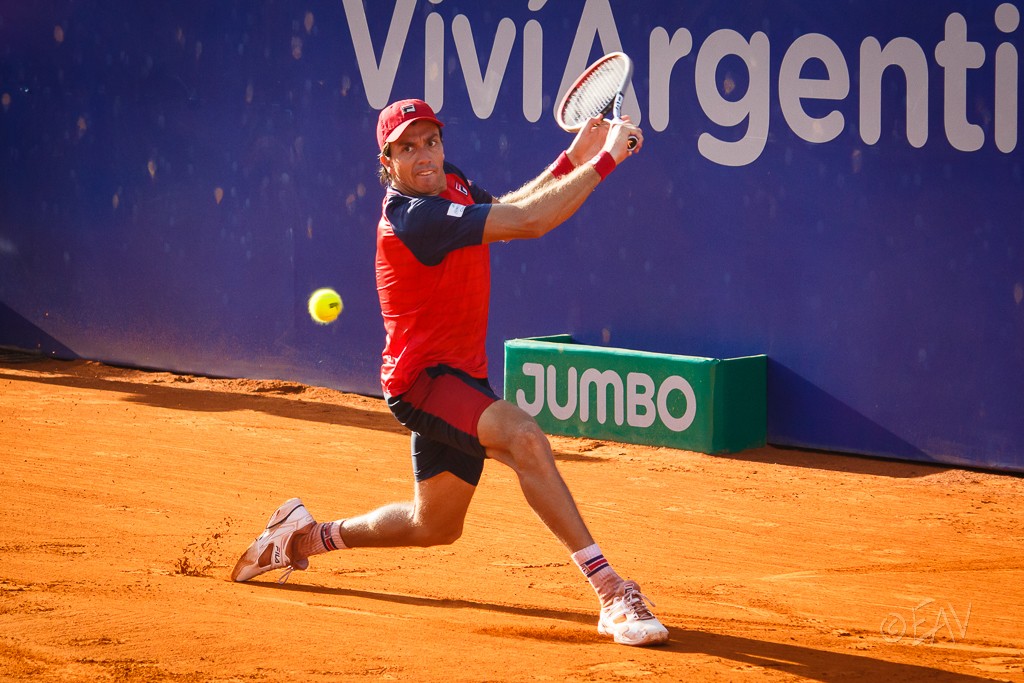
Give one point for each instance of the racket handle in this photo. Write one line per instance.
(632, 142)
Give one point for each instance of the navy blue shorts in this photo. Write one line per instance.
(442, 409)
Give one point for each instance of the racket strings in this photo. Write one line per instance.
(594, 94)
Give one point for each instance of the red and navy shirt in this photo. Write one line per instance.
(434, 281)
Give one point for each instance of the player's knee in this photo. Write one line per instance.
(438, 533)
(530, 447)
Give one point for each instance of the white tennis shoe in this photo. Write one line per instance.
(270, 549)
(629, 621)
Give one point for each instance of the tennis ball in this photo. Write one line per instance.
(325, 305)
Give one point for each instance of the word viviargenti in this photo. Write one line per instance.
(636, 402)
(803, 100)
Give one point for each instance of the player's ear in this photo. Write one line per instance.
(385, 157)
(384, 172)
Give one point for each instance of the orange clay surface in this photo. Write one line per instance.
(127, 496)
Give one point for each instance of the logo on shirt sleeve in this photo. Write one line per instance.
(456, 210)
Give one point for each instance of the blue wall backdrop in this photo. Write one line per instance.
(837, 185)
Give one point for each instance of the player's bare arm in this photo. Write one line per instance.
(587, 142)
(535, 213)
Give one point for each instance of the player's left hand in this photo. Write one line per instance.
(589, 141)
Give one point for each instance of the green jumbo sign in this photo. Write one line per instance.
(701, 404)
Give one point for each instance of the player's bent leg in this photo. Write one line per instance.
(441, 504)
(434, 517)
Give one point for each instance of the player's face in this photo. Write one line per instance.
(417, 160)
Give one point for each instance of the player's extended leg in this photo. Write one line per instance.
(512, 437)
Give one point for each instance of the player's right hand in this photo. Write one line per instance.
(617, 142)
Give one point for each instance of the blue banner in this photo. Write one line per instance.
(835, 185)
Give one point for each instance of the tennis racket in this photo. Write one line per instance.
(598, 91)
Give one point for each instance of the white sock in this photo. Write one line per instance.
(605, 581)
(321, 538)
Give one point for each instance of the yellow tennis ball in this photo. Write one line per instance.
(325, 305)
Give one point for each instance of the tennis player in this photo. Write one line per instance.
(433, 280)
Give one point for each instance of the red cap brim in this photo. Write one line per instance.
(400, 128)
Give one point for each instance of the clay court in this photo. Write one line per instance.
(128, 495)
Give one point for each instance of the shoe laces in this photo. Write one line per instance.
(288, 572)
(637, 602)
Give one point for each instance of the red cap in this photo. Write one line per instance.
(397, 116)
